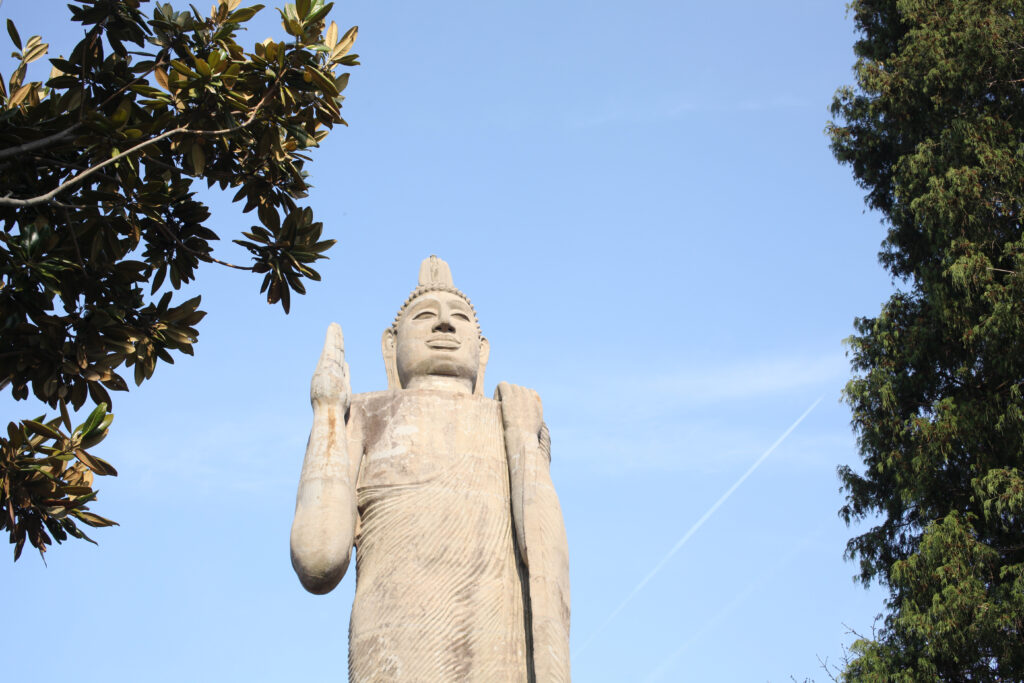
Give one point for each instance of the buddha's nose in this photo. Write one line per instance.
(444, 324)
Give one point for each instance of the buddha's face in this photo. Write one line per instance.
(437, 336)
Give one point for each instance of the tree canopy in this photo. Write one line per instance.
(101, 222)
(933, 133)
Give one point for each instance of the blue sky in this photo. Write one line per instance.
(641, 203)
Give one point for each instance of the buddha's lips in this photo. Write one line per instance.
(443, 342)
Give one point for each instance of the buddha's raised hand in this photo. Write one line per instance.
(325, 509)
(520, 407)
(330, 383)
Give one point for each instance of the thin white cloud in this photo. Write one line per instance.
(695, 418)
(656, 112)
(693, 446)
(747, 379)
(697, 384)
(218, 455)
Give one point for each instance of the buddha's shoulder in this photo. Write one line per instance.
(509, 386)
(509, 391)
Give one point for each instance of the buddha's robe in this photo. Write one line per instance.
(439, 585)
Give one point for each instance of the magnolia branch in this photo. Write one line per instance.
(64, 134)
(199, 255)
(37, 144)
(159, 60)
(43, 198)
(58, 164)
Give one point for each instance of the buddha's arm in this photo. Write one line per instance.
(539, 529)
(325, 508)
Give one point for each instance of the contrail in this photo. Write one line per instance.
(693, 529)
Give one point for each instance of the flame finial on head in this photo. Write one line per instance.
(435, 273)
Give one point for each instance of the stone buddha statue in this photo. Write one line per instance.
(462, 567)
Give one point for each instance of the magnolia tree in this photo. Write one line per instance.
(101, 223)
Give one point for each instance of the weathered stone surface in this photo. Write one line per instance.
(461, 555)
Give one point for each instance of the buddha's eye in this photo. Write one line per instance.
(461, 316)
(423, 315)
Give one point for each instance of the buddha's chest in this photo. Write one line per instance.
(411, 438)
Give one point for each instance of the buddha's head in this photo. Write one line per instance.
(435, 341)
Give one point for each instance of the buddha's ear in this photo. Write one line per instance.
(485, 353)
(388, 346)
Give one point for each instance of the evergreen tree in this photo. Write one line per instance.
(934, 132)
(101, 222)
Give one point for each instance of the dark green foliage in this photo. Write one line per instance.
(99, 211)
(46, 478)
(933, 132)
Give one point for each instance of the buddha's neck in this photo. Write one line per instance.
(458, 385)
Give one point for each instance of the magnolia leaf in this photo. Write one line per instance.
(74, 490)
(15, 38)
(64, 416)
(18, 95)
(327, 85)
(345, 44)
(97, 465)
(93, 421)
(203, 67)
(42, 429)
(123, 111)
(269, 217)
(183, 69)
(198, 159)
(317, 14)
(160, 74)
(35, 52)
(93, 519)
(244, 14)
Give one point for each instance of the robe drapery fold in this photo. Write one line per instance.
(439, 596)
(461, 555)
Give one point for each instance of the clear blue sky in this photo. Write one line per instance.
(640, 201)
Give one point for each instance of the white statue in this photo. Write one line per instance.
(462, 567)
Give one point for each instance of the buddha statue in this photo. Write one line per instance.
(462, 569)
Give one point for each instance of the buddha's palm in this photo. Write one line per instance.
(330, 383)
